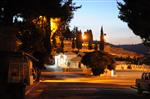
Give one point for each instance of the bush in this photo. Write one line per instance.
(97, 71)
(98, 62)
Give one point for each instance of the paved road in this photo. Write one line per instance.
(79, 86)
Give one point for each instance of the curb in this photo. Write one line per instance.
(134, 87)
(31, 88)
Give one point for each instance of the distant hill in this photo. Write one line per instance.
(138, 48)
(119, 51)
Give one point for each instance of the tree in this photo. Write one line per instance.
(34, 38)
(62, 44)
(95, 46)
(67, 34)
(102, 42)
(79, 40)
(98, 62)
(68, 10)
(30, 10)
(31, 39)
(51, 8)
(73, 44)
(136, 13)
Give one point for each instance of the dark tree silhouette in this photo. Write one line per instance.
(67, 34)
(98, 61)
(73, 43)
(30, 10)
(79, 40)
(102, 42)
(136, 13)
(62, 44)
(35, 40)
(96, 46)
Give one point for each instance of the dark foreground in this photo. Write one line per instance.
(75, 86)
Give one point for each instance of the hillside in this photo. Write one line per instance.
(138, 48)
(120, 51)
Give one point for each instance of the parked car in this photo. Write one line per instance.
(143, 84)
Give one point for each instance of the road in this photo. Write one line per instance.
(79, 86)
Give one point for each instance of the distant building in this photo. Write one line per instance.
(68, 45)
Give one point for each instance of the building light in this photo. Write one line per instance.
(84, 37)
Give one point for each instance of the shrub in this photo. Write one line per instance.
(98, 62)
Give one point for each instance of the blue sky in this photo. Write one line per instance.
(97, 13)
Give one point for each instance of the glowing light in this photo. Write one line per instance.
(41, 21)
(105, 37)
(61, 60)
(18, 18)
(18, 43)
(58, 41)
(55, 23)
(40, 17)
(84, 37)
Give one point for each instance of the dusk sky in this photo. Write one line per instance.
(97, 13)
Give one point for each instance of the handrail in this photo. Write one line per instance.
(30, 56)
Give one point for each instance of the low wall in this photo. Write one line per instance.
(133, 67)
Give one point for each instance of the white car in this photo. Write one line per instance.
(143, 84)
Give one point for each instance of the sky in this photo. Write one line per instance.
(97, 13)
